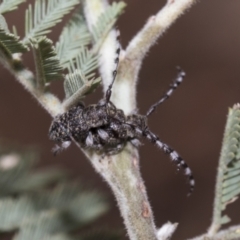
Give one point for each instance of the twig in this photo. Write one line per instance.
(122, 171)
(232, 233)
(138, 47)
(26, 78)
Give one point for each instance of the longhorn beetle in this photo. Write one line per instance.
(104, 128)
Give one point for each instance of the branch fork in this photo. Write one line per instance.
(121, 171)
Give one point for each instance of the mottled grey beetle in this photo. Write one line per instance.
(106, 129)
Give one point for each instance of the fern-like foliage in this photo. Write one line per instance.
(10, 44)
(101, 235)
(9, 5)
(47, 63)
(3, 23)
(44, 16)
(35, 211)
(17, 176)
(86, 61)
(80, 81)
(228, 179)
(73, 38)
(77, 86)
(51, 212)
(105, 23)
(76, 35)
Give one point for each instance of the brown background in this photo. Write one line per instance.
(205, 42)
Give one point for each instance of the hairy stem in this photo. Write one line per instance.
(140, 44)
(232, 233)
(123, 175)
(122, 171)
(26, 78)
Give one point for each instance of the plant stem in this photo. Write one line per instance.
(139, 46)
(123, 176)
(122, 171)
(26, 78)
(232, 233)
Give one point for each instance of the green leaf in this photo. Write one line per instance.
(13, 212)
(85, 61)
(225, 219)
(34, 232)
(80, 81)
(9, 5)
(228, 178)
(38, 213)
(12, 168)
(81, 205)
(3, 23)
(60, 237)
(9, 44)
(45, 16)
(38, 180)
(17, 176)
(102, 235)
(47, 63)
(42, 226)
(105, 23)
(73, 38)
(77, 206)
(76, 87)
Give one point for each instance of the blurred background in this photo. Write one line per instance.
(205, 42)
